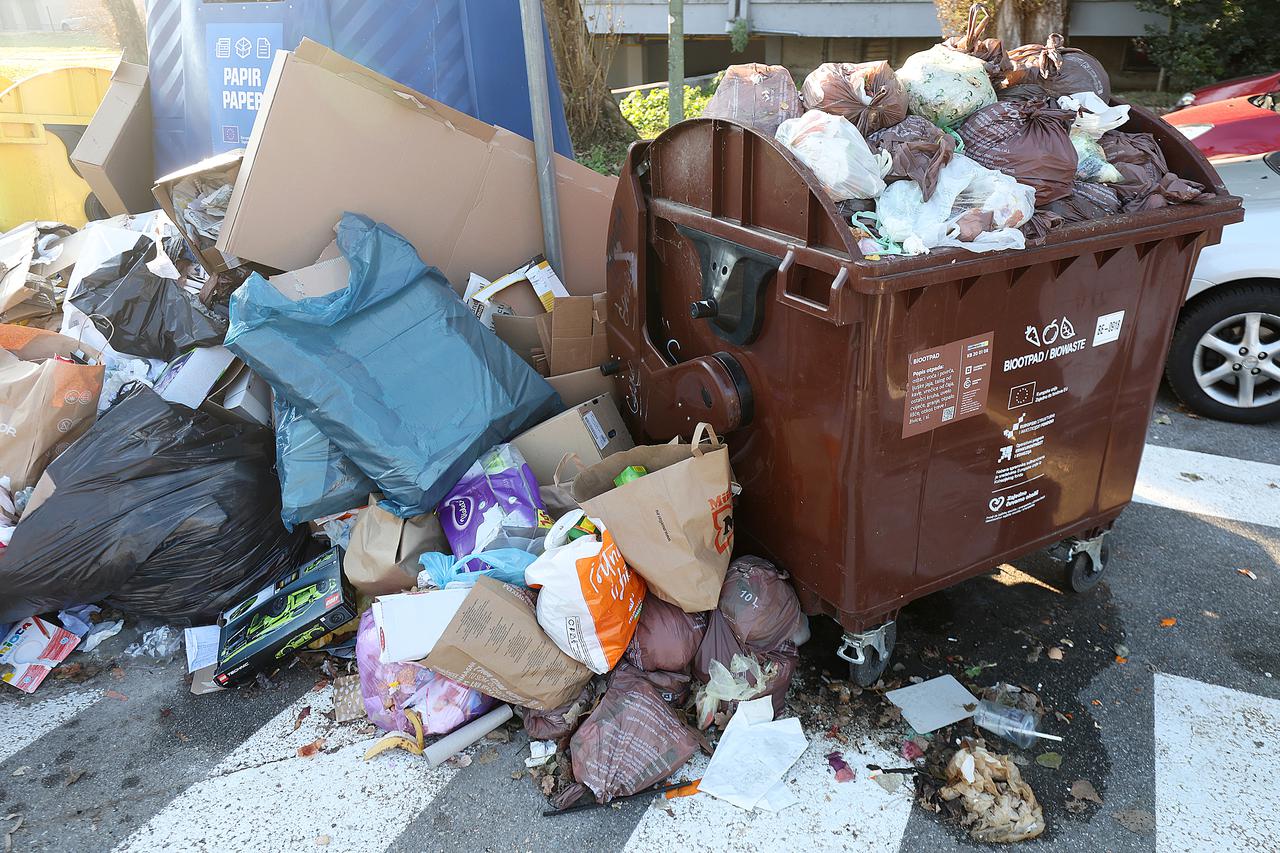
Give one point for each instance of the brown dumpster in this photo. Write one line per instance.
(897, 424)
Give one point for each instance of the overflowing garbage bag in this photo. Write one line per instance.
(759, 96)
(1058, 70)
(1087, 201)
(316, 478)
(918, 149)
(157, 510)
(989, 50)
(945, 85)
(381, 367)
(666, 638)
(868, 94)
(1029, 140)
(973, 208)
(1145, 180)
(145, 314)
(836, 152)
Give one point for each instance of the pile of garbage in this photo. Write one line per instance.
(965, 146)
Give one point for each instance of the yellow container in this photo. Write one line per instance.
(41, 119)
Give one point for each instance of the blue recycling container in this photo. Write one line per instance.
(209, 62)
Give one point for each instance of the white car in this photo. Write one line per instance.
(1223, 359)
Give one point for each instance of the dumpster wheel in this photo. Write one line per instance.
(1089, 559)
(868, 653)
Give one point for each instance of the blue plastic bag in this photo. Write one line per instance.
(316, 479)
(505, 564)
(393, 369)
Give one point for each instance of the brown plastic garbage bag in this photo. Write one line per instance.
(631, 740)
(1029, 140)
(866, 93)
(999, 807)
(759, 96)
(666, 638)
(918, 148)
(759, 604)
(1146, 182)
(1087, 201)
(990, 50)
(1040, 224)
(673, 687)
(563, 721)
(1061, 70)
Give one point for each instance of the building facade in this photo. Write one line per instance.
(802, 34)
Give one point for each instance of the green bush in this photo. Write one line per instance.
(1209, 40)
(647, 110)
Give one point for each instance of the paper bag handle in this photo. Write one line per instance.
(555, 476)
(699, 434)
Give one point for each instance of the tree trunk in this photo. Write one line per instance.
(582, 64)
(1020, 22)
(129, 30)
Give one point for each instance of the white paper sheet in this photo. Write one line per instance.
(202, 646)
(754, 754)
(410, 624)
(933, 704)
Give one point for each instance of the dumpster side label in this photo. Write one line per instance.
(238, 58)
(947, 383)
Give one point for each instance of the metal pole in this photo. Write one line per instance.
(675, 61)
(535, 62)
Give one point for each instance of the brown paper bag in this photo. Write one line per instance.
(45, 404)
(494, 644)
(674, 525)
(382, 556)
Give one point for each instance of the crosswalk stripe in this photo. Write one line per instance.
(24, 722)
(1216, 754)
(265, 797)
(1206, 484)
(831, 815)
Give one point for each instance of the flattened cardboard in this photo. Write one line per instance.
(319, 279)
(495, 645)
(463, 192)
(212, 259)
(577, 339)
(576, 388)
(114, 155)
(593, 430)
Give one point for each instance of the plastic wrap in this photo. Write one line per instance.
(946, 86)
(159, 511)
(917, 148)
(836, 152)
(393, 369)
(759, 96)
(496, 504)
(866, 93)
(316, 479)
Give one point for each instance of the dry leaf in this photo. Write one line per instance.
(73, 776)
(117, 673)
(1168, 622)
(1163, 420)
(311, 748)
(1082, 789)
(1250, 575)
(1054, 653)
(1136, 820)
(1052, 760)
(1190, 477)
(487, 755)
(302, 715)
(548, 785)
(1121, 660)
(116, 694)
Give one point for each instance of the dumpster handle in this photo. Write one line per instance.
(788, 259)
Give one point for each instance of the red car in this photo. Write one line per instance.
(1240, 87)
(1232, 128)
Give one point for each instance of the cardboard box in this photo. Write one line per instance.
(31, 650)
(593, 430)
(573, 336)
(244, 397)
(577, 388)
(332, 136)
(114, 154)
(260, 633)
(228, 166)
(320, 279)
(494, 644)
(191, 377)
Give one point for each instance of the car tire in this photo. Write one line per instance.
(1216, 309)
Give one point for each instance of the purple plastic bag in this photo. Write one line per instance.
(389, 688)
(495, 505)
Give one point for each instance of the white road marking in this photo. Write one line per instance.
(831, 815)
(25, 720)
(1216, 754)
(1205, 484)
(264, 797)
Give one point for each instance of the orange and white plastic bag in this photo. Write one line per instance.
(589, 599)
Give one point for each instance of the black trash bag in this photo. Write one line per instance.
(159, 511)
(145, 314)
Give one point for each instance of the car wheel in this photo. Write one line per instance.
(1223, 359)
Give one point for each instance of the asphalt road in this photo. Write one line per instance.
(1181, 741)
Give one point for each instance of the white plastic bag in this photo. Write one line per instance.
(590, 599)
(945, 86)
(836, 152)
(1094, 119)
(963, 186)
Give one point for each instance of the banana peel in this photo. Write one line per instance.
(396, 740)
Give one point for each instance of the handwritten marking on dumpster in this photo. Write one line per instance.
(947, 383)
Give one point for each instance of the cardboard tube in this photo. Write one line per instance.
(459, 739)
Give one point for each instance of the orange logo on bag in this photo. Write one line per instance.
(722, 518)
(613, 594)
